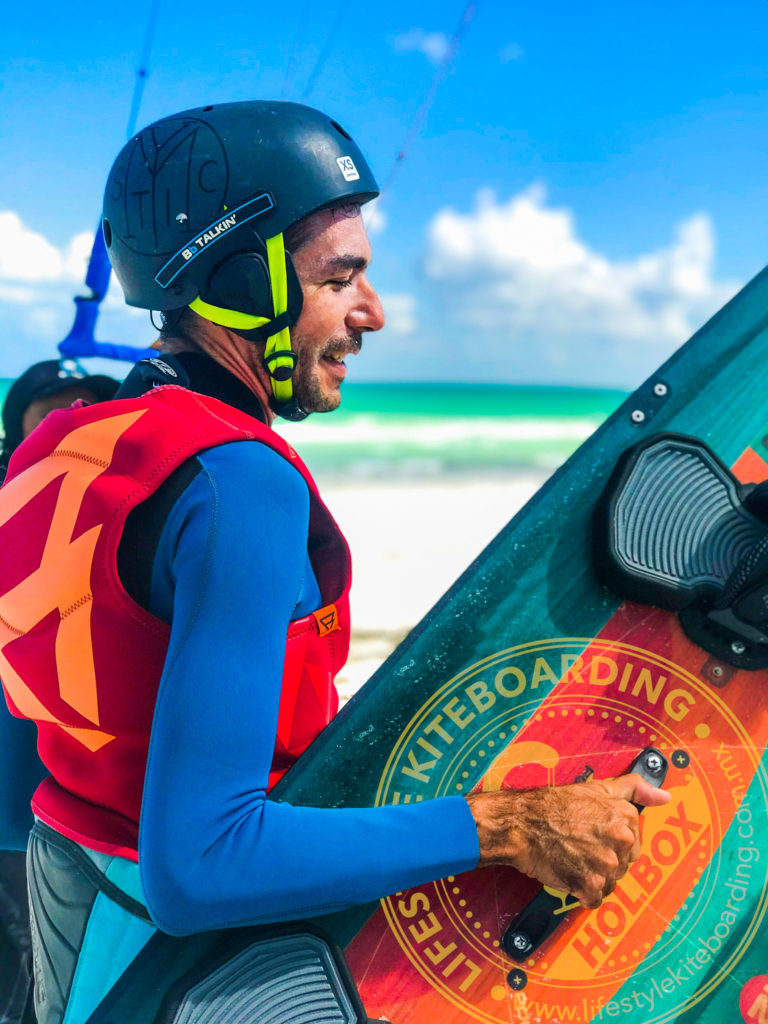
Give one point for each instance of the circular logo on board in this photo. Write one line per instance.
(562, 711)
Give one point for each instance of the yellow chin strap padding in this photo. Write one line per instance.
(277, 343)
(227, 317)
(280, 342)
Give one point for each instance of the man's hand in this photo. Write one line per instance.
(579, 838)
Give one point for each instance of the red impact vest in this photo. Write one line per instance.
(77, 655)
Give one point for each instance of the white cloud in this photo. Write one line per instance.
(510, 290)
(76, 256)
(374, 218)
(38, 281)
(511, 53)
(26, 255)
(400, 311)
(433, 45)
(520, 271)
(18, 294)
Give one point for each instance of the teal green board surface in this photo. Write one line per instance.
(528, 668)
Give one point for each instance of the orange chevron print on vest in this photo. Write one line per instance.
(77, 655)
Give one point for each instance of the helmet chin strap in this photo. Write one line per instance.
(279, 358)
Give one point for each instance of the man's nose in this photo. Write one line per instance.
(368, 314)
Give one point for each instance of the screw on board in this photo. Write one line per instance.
(637, 416)
(738, 647)
(517, 979)
(660, 390)
(680, 758)
(521, 942)
(716, 672)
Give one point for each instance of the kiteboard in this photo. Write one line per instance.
(532, 672)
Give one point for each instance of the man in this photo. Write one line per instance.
(185, 659)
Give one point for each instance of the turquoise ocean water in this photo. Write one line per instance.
(430, 430)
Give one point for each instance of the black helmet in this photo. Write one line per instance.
(196, 204)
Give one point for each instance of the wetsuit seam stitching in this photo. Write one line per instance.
(12, 628)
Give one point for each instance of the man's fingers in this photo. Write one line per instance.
(637, 847)
(637, 791)
(609, 886)
(590, 894)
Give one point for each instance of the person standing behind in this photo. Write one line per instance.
(40, 389)
(43, 387)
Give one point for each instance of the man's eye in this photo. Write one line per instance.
(342, 284)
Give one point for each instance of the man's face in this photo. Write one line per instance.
(39, 408)
(339, 305)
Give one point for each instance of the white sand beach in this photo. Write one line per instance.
(410, 540)
(421, 477)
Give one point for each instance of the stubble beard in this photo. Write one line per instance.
(310, 393)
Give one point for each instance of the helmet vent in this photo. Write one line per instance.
(206, 109)
(107, 229)
(341, 131)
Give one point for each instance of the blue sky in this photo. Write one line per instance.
(590, 184)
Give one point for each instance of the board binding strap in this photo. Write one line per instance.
(281, 974)
(676, 529)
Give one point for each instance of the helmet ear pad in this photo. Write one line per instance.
(242, 283)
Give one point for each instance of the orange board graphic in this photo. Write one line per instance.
(676, 925)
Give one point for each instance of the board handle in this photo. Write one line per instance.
(550, 907)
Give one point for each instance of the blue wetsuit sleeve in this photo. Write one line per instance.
(22, 772)
(231, 568)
